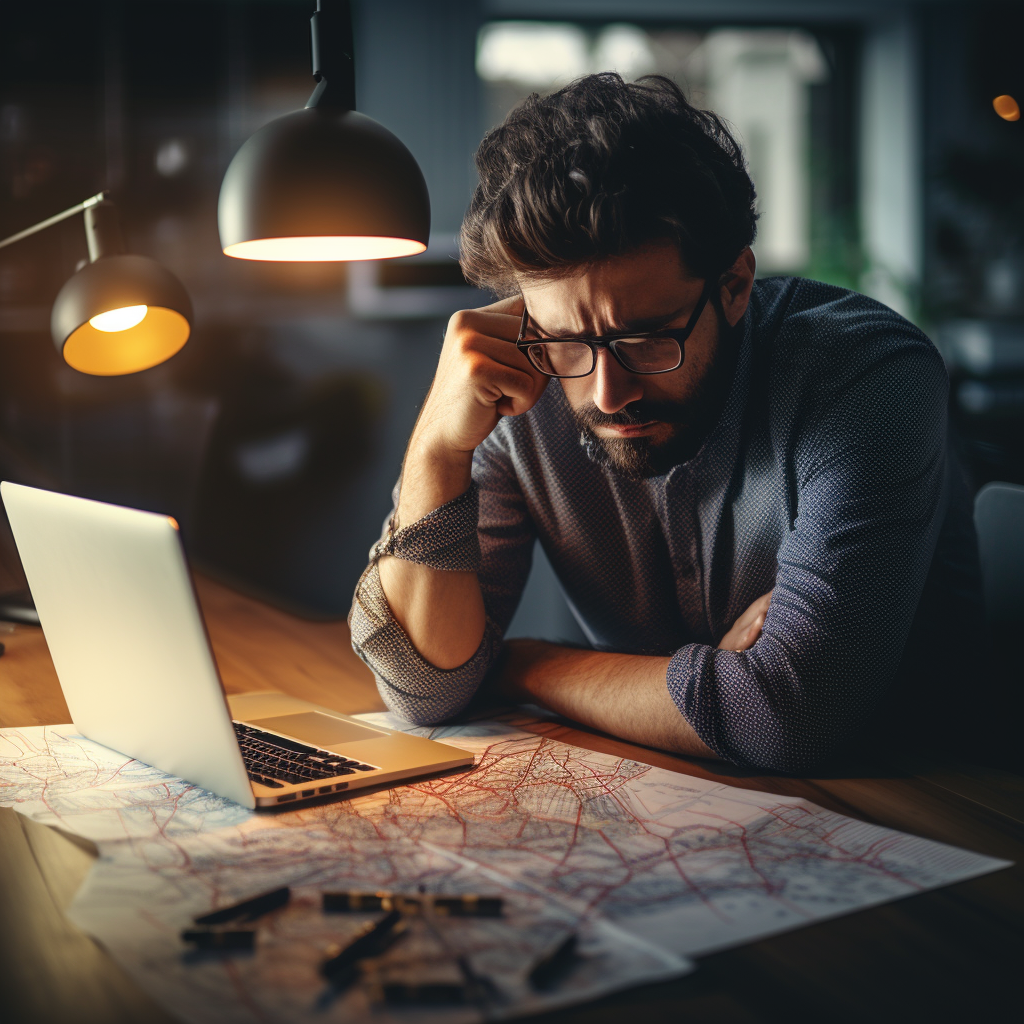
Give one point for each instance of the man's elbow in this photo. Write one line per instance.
(797, 742)
(781, 709)
(419, 709)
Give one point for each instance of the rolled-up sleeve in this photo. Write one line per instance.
(491, 522)
(870, 472)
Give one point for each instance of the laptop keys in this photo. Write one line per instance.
(269, 757)
(263, 781)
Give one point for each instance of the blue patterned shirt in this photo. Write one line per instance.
(826, 478)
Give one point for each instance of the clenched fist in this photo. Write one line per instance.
(480, 377)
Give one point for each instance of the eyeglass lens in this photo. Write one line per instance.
(576, 359)
(648, 355)
(562, 358)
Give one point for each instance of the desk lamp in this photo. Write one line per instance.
(326, 182)
(119, 313)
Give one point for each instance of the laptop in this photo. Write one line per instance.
(128, 641)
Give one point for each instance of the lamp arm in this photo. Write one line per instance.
(55, 219)
(332, 45)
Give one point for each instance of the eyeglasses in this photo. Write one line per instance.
(656, 352)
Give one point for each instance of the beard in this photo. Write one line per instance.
(640, 457)
(692, 420)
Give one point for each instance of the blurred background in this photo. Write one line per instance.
(275, 436)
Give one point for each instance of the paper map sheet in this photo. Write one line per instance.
(648, 866)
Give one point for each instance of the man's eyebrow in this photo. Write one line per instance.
(643, 325)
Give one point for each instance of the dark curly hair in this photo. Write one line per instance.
(598, 169)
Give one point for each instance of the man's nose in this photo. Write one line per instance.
(614, 387)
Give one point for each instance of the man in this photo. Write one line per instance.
(742, 486)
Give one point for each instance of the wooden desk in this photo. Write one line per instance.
(953, 954)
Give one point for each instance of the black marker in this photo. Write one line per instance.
(371, 941)
(552, 966)
(247, 910)
(360, 902)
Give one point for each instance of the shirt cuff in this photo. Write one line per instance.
(444, 539)
(693, 687)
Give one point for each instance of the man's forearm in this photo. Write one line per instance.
(442, 612)
(622, 694)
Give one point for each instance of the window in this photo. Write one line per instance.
(785, 92)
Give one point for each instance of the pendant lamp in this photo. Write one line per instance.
(325, 182)
(120, 313)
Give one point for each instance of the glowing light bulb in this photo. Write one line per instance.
(324, 248)
(1007, 108)
(119, 319)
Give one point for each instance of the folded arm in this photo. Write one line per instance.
(871, 497)
(621, 694)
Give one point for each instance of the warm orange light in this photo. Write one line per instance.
(155, 338)
(324, 248)
(1006, 107)
(119, 319)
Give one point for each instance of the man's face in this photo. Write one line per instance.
(647, 423)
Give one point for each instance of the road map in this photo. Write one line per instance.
(647, 866)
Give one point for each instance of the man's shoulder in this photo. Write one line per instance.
(817, 331)
(797, 310)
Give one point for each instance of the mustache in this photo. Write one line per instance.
(642, 411)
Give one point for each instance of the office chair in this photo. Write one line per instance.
(999, 520)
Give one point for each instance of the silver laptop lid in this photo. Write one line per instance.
(120, 617)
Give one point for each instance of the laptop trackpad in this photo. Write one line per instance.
(317, 728)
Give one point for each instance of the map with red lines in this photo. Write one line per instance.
(647, 866)
(688, 864)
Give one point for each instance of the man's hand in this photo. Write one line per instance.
(481, 376)
(747, 628)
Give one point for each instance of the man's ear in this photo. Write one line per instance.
(734, 289)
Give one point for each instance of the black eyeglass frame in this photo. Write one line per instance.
(609, 341)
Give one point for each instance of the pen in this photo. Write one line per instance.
(551, 966)
(372, 940)
(247, 910)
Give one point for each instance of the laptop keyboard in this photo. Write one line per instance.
(273, 760)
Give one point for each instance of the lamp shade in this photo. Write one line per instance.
(323, 184)
(120, 314)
